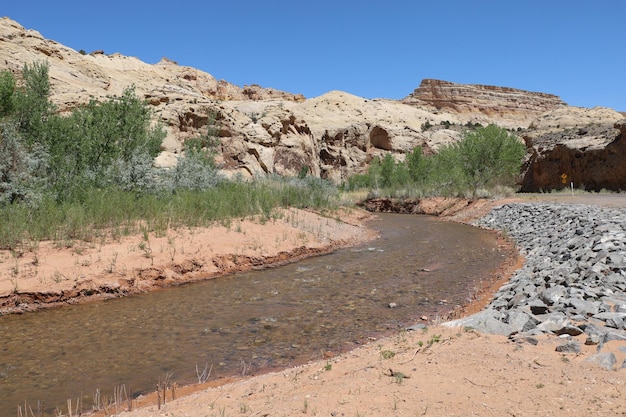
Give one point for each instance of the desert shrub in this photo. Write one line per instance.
(136, 174)
(309, 192)
(193, 172)
(21, 170)
(196, 169)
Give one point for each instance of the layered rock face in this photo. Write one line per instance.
(508, 106)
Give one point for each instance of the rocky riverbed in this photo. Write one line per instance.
(573, 282)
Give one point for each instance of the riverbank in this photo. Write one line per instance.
(434, 371)
(49, 274)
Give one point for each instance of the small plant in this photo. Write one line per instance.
(399, 377)
(387, 354)
(146, 249)
(328, 366)
(57, 277)
(171, 248)
(112, 263)
(539, 386)
(15, 269)
(435, 339)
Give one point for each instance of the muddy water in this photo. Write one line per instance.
(247, 322)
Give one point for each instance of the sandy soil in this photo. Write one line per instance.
(438, 371)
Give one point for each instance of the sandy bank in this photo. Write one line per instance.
(46, 274)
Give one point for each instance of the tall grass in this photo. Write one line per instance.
(104, 211)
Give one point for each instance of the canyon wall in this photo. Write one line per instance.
(264, 131)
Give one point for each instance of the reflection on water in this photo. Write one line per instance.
(253, 321)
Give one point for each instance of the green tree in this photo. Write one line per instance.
(31, 101)
(488, 156)
(416, 165)
(387, 168)
(7, 90)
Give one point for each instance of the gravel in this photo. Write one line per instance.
(574, 279)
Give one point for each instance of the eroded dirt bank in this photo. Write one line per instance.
(46, 274)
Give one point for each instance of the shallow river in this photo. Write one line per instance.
(244, 323)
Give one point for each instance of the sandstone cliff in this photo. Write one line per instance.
(508, 107)
(263, 131)
(588, 157)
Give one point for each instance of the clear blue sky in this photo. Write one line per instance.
(572, 48)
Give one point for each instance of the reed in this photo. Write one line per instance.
(112, 213)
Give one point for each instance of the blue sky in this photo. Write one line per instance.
(574, 49)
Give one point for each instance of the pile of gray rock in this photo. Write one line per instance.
(573, 281)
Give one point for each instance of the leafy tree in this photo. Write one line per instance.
(31, 102)
(387, 168)
(489, 155)
(116, 129)
(7, 90)
(92, 145)
(416, 165)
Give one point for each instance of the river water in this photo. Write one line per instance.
(243, 323)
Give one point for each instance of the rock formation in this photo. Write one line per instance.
(588, 157)
(263, 131)
(501, 105)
